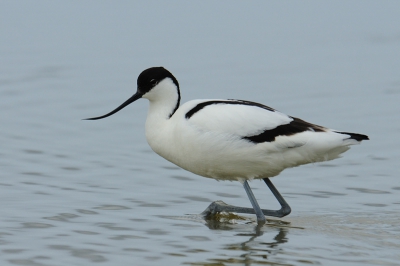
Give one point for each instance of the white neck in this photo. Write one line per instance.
(163, 99)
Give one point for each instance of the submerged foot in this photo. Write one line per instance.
(220, 206)
(214, 208)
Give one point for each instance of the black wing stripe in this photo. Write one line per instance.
(240, 102)
(294, 127)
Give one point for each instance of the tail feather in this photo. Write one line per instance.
(355, 136)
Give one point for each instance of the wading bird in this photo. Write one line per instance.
(231, 139)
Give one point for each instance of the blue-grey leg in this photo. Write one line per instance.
(285, 208)
(254, 203)
(220, 206)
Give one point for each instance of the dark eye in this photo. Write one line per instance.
(153, 82)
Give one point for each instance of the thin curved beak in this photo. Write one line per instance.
(135, 97)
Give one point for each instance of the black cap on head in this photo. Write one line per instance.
(151, 77)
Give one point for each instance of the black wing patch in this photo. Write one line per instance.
(356, 136)
(294, 127)
(240, 102)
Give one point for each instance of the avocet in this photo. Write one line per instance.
(231, 139)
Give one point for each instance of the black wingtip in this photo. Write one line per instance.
(356, 136)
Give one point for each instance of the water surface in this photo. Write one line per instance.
(92, 192)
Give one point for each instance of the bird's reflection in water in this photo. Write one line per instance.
(254, 250)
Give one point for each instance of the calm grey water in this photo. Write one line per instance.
(79, 192)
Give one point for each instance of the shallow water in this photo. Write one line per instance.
(92, 192)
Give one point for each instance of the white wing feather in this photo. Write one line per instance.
(230, 118)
